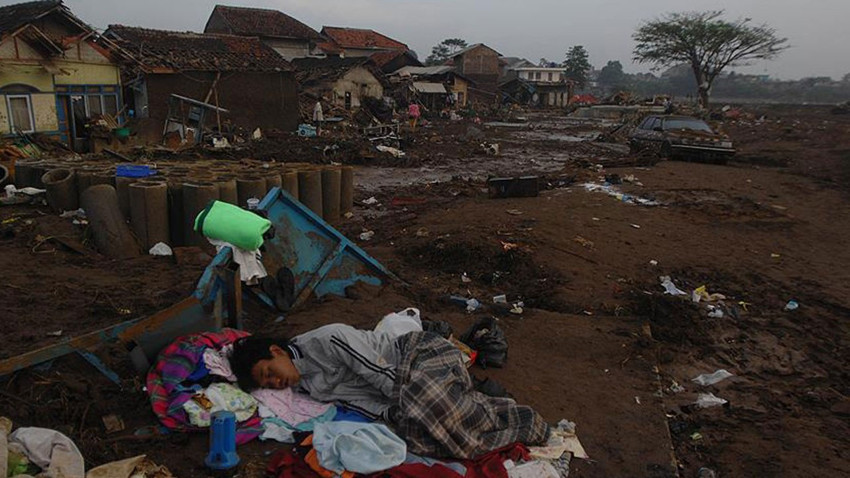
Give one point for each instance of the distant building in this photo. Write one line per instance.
(482, 65)
(358, 42)
(240, 74)
(434, 86)
(391, 61)
(342, 82)
(54, 76)
(286, 35)
(536, 86)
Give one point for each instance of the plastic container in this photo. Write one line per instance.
(134, 170)
(222, 455)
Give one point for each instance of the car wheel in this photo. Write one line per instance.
(666, 151)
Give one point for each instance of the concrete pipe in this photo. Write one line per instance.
(331, 178)
(149, 212)
(273, 180)
(85, 178)
(39, 169)
(227, 191)
(250, 187)
(104, 176)
(61, 188)
(23, 174)
(310, 189)
(196, 196)
(346, 194)
(111, 234)
(4, 175)
(122, 186)
(175, 213)
(290, 183)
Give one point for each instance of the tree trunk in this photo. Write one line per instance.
(703, 97)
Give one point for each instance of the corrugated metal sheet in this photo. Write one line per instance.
(429, 88)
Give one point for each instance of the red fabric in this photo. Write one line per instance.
(490, 465)
(285, 464)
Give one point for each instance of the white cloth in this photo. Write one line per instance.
(251, 268)
(218, 362)
(50, 451)
(318, 114)
(532, 469)
(357, 447)
(399, 323)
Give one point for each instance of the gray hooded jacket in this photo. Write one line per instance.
(355, 368)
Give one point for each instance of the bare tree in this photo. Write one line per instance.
(705, 42)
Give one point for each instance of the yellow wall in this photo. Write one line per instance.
(359, 82)
(30, 75)
(461, 86)
(87, 74)
(44, 110)
(4, 115)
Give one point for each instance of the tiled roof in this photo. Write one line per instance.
(382, 58)
(12, 17)
(313, 70)
(262, 22)
(362, 39)
(160, 49)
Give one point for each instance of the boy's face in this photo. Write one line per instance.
(278, 372)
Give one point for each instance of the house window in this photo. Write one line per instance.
(20, 113)
(105, 104)
(537, 75)
(550, 76)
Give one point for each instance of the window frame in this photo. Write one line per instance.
(28, 98)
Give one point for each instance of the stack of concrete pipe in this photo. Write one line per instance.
(162, 208)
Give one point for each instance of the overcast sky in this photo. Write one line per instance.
(817, 29)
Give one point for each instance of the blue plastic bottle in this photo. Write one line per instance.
(222, 454)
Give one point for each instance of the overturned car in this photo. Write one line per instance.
(681, 137)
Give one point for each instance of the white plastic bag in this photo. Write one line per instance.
(399, 323)
(161, 249)
(712, 378)
(708, 400)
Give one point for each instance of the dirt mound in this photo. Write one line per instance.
(501, 267)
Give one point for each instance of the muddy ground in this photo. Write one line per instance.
(598, 342)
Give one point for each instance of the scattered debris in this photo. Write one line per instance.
(670, 287)
(708, 400)
(792, 305)
(712, 378)
(367, 235)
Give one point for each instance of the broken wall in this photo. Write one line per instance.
(268, 100)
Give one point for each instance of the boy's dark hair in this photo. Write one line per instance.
(247, 351)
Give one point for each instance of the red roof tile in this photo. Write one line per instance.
(260, 22)
(362, 39)
(160, 49)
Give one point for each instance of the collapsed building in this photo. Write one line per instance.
(240, 74)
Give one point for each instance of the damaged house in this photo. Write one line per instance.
(536, 86)
(240, 74)
(54, 76)
(482, 65)
(351, 42)
(342, 82)
(435, 87)
(287, 36)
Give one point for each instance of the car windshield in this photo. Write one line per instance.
(686, 123)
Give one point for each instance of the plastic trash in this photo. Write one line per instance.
(706, 473)
(712, 378)
(465, 278)
(715, 313)
(670, 287)
(708, 400)
(161, 249)
(365, 236)
(472, 305)
(371, 201)
(792, 305)
(222, 455)
(253, 204)
(500, 299)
